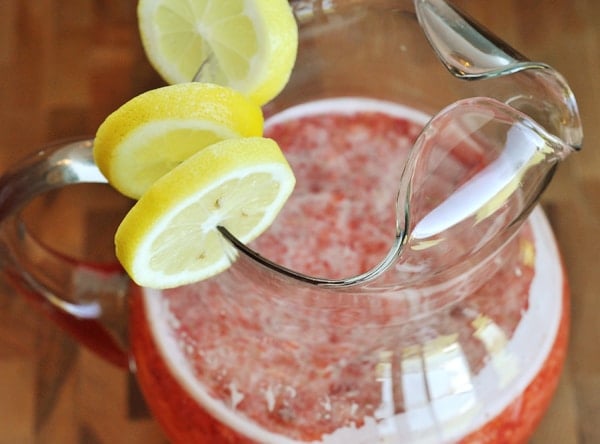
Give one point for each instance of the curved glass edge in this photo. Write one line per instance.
(471, 52)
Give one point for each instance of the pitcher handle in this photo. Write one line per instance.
(87, 300)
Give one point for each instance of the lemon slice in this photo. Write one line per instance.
(169, 238)
(155, 131)
(248, 45)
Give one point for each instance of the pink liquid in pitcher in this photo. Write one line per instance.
(244, 367)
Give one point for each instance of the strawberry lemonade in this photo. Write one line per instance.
(243, 357)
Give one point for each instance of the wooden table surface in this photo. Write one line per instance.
(66, 64)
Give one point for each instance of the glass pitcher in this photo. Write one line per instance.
(410, 291)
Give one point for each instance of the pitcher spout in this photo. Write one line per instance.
(471, 52)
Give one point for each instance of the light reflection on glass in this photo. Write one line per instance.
(453, 400)
(495, 342)
(437, 387)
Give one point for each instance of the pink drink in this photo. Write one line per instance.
(219, 362)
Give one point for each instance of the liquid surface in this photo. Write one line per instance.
(349, 368)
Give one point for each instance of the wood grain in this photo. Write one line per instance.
(64, 65)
